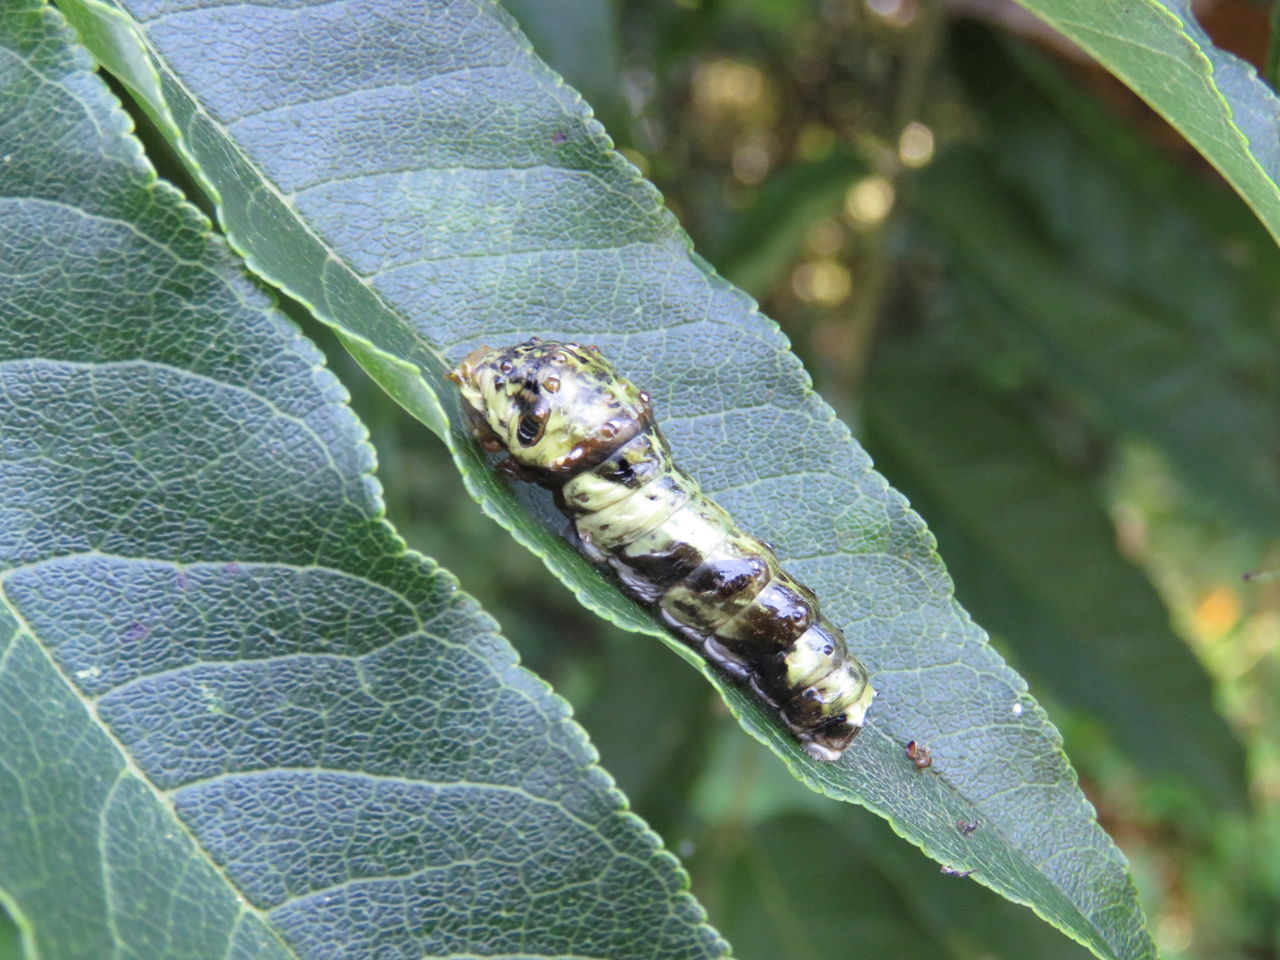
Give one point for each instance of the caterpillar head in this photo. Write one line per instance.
(556, 408)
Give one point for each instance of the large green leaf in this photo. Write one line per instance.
(1214, 99)
(1076, 234)
(424, 184)
(1035, 554)
(1059, 312)
(238, 718)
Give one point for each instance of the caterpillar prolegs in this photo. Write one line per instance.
(568, 421)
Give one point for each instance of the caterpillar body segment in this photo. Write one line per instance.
(568, 421)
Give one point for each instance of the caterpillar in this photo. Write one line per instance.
(567, 420)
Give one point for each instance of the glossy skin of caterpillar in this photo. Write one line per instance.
(569, 422)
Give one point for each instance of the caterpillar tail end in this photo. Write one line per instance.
(819, 752)
(828, 741)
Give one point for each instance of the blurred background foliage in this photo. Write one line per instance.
(1055, 329)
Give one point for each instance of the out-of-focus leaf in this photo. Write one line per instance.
(10, 943)
(967, 919)
(658, 753)
(802, 885)
(424, 184)
(767, 237)
(1088, 338)
(1213, 98)
(1271, 73)
(792, 890)
(789, 878)
(777, 15)
(239, 719)
(1131, 216)
(1035, 556)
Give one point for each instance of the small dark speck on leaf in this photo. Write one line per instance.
(558, 137)
(919, 754)
(955, 872)
(967, 827)
(135, 631)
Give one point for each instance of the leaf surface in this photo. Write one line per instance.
(424, 184)
(239, 719)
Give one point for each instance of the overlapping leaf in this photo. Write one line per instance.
(1214, 99)
(239, 720)
(424, 184)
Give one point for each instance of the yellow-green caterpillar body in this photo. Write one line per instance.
(568, 421)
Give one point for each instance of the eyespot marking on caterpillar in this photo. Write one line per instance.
(569, 422)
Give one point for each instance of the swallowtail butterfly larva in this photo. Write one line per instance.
(568, 421)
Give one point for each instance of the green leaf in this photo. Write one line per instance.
(772, 869)
(767, 237)
(1129, 217)
(10, 943)
(1120, 200)
(1035, 555)
(1056, 309)
(424, 184)
(966, 919)
(238, 718)
(1213, 98)
(658, 758)
(1271, 69)
(784, 874)
(787, 895)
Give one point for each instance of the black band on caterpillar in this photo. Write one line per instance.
(568, 421)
